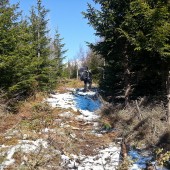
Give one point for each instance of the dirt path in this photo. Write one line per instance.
(66, 136)
(96, 149)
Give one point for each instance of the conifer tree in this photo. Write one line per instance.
(58, 52)
(112, 47)
(40, 41)
(24, 77)
(95, 63)
(56, 58)
(17, 65)
(147, 28)
(25, 62)
(8, 34)
(135, 45)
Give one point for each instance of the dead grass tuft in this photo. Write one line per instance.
(135, 130)
(69, 83)
(8, 121)
(64, 135)
(11, 141)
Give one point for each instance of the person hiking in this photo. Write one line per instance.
(86, 76)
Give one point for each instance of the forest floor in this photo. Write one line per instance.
(68, 129)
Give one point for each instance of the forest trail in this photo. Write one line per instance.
(97, 150)
(63, 132)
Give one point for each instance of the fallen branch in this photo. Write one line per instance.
(140, 103)
(138, 110)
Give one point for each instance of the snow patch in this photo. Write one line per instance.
(66, 114)
(25, 146)
(78, 101)
(139, 160)
(107, 158)
(47, 130)
(65, 100)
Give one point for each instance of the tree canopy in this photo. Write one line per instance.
(25, 54)
(134, 43)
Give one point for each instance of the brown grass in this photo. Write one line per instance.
(69, 83)
(34, 116)
(146, 131)
(8, 121)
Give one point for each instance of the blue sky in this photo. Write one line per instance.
(65, 15)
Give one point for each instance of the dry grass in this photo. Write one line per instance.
(33, 117)
(8, 121)
(150, 131)
(146, 131)
(69, 83)
(25, 111)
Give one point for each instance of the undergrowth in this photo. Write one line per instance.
(149, 130)
(37, 120)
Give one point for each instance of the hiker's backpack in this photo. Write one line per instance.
(84, 74)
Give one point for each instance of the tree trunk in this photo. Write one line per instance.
(104, 64)
(38, 26)
(77, 70)
(127, 76)
(168, 96)
(38, 43)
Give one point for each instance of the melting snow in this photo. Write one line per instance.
(139, 160)
(78, 101)
(86, 104)
(107, 158)
(25, 146)
(65, 100)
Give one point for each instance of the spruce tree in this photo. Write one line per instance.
(58, 52)
(112, 47)
(95, 63)
(8, 34)
(24, 77)
(135, 45)
(56, 58)
(17, 66)
(41, 41)
(146, 27)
